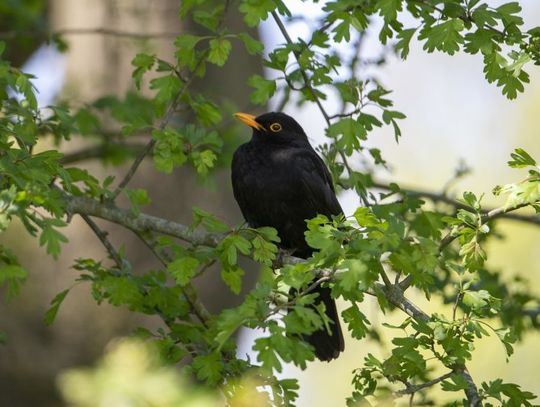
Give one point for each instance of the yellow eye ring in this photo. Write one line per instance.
(275, 127)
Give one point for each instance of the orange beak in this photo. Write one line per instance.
(249, 119)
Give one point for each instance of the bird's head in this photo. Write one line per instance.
(273, 127)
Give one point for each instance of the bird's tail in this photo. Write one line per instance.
(328, 345)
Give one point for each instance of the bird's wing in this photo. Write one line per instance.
(316, 181)
(241, 190)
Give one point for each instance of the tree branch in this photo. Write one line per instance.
(307, 82)
(102, 236)
(9, 35)
(188, 290)
(308, 86)
(140, 223)
(395, 296)
(164, 122)
(413, 388)
(492, 214)
(100, 150)
(440, 197)
(449, 238)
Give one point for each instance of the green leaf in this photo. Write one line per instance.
(482, 40)
(521, 159)
(476, 299)
(229, 246)
(137, 198)
(253, 46)
(183, 269)
(365, 217)
(256, 10)
(122, 290)
(356, 320)
(264, 89)
(389, 9)
(458, 383)
(12, 276)
(220, 48)
(342, 31)
(516, 397)
(168, 150)
(50, 315)
(232, 276)
(208, 368)
(390, 116)
(404, 41)
(209, 221)
(263, 251)
(207, 112)
(507, 13)
(210, 17)
(52, 238)
(142, 63)
(185, 50)
(444, 37)
(266, 354)
(203, 161)
(166, 86)
(348, 133)
(351, 282)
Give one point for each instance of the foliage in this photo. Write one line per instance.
(395, 234)
(126, 362)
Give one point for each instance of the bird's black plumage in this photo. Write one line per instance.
(279, 181)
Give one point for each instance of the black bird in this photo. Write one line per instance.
(279, 181)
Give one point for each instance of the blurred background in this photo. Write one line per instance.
(453, 116)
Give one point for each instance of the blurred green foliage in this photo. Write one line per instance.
(131, 374)
(23, 26)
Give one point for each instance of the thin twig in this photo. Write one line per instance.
(441, 197)
(307, 82)
(188, 291)
(413, 388)
(492, 214)
(164, 122)
(395, 296)
(325, 275)
(449, 238)
(385, 278)
(102, 236)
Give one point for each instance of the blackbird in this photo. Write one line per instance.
(279, 181)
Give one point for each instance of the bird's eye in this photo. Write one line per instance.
(275, 127)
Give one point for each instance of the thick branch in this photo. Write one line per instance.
(140, 223)
(99, 151)
(9, 35)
